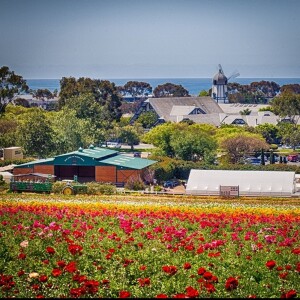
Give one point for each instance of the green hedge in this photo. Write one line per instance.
(167, 168)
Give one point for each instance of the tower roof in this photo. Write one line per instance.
(220, 78)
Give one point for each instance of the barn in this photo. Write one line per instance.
(243, 183)
(91, 164)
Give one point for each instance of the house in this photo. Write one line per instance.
(92, 164)
(246, 183)
(205, 110)
(175, 109)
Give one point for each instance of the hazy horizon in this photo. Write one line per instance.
(121, 39)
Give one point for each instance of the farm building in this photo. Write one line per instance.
(92, 164)
(243, 183)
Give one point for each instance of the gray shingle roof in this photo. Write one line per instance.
(163, 106)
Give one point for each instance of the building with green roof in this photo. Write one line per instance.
(91, 164)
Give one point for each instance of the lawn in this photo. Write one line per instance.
(148, 246)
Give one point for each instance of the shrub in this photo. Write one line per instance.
(135, 183)
(57, 187)
(96, 188)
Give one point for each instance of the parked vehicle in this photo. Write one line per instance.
(137, 154)
(292, 157)
(171, 183)
(253, 161)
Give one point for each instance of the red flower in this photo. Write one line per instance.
(231, 284)
(50, 250)
(56, 272)
(191, 292)
(71, 267)
(161, 296)
(77, 292)
(289, 294)
(144, 281)
(22, 256)
(296, 251)
(75, 249)
(210, 287)
(283, 275)
(124, 294)
(91, 286)
(179, 296)
(170, 269)
(201, 271)
(207, 275)
(61, 263)
(143, 268)
(21, 272)
(270, 264)
(187, 266)
(43, 278)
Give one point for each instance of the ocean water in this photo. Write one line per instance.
(193, 85)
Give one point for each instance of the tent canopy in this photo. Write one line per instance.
(249, 182)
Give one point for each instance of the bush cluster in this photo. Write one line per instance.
(93, 188)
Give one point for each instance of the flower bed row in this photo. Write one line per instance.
(79, 249)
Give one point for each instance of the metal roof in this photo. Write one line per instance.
(47, 161)
(93, 156)
(129, 162)
(94, 152)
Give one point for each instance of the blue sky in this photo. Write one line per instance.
(150, 39)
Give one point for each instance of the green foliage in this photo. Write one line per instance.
(129, 134)
(11, 84)
(135, 183)
(245, 112)
(170, 90)
(36, 135)
(2, 181)
(7, 162)
(268, 131)
(70, 132)
(96, 188)
(147, 119)
(136, 89)
(103, 92)
(203, 93)
(287, 105)
(57, 187)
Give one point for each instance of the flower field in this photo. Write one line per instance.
(126, 246)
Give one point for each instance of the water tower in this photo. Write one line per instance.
(219, 85)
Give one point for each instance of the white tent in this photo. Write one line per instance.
(6, 176)
(250, 183)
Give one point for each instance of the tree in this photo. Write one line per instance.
(147, 119)
(160, 136)
(10, 85)
(268, 131)
(170, 90)
(22, 102)
(136, 89)
(8, 127)
(203, 93)
(37, 135)
(42, 94)
(289, 133)
(129, 135)
(287, 105)
(240, 145)
(104, 93)
(245, 112)
(70, 132)
(290, 88)
(194, 147)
